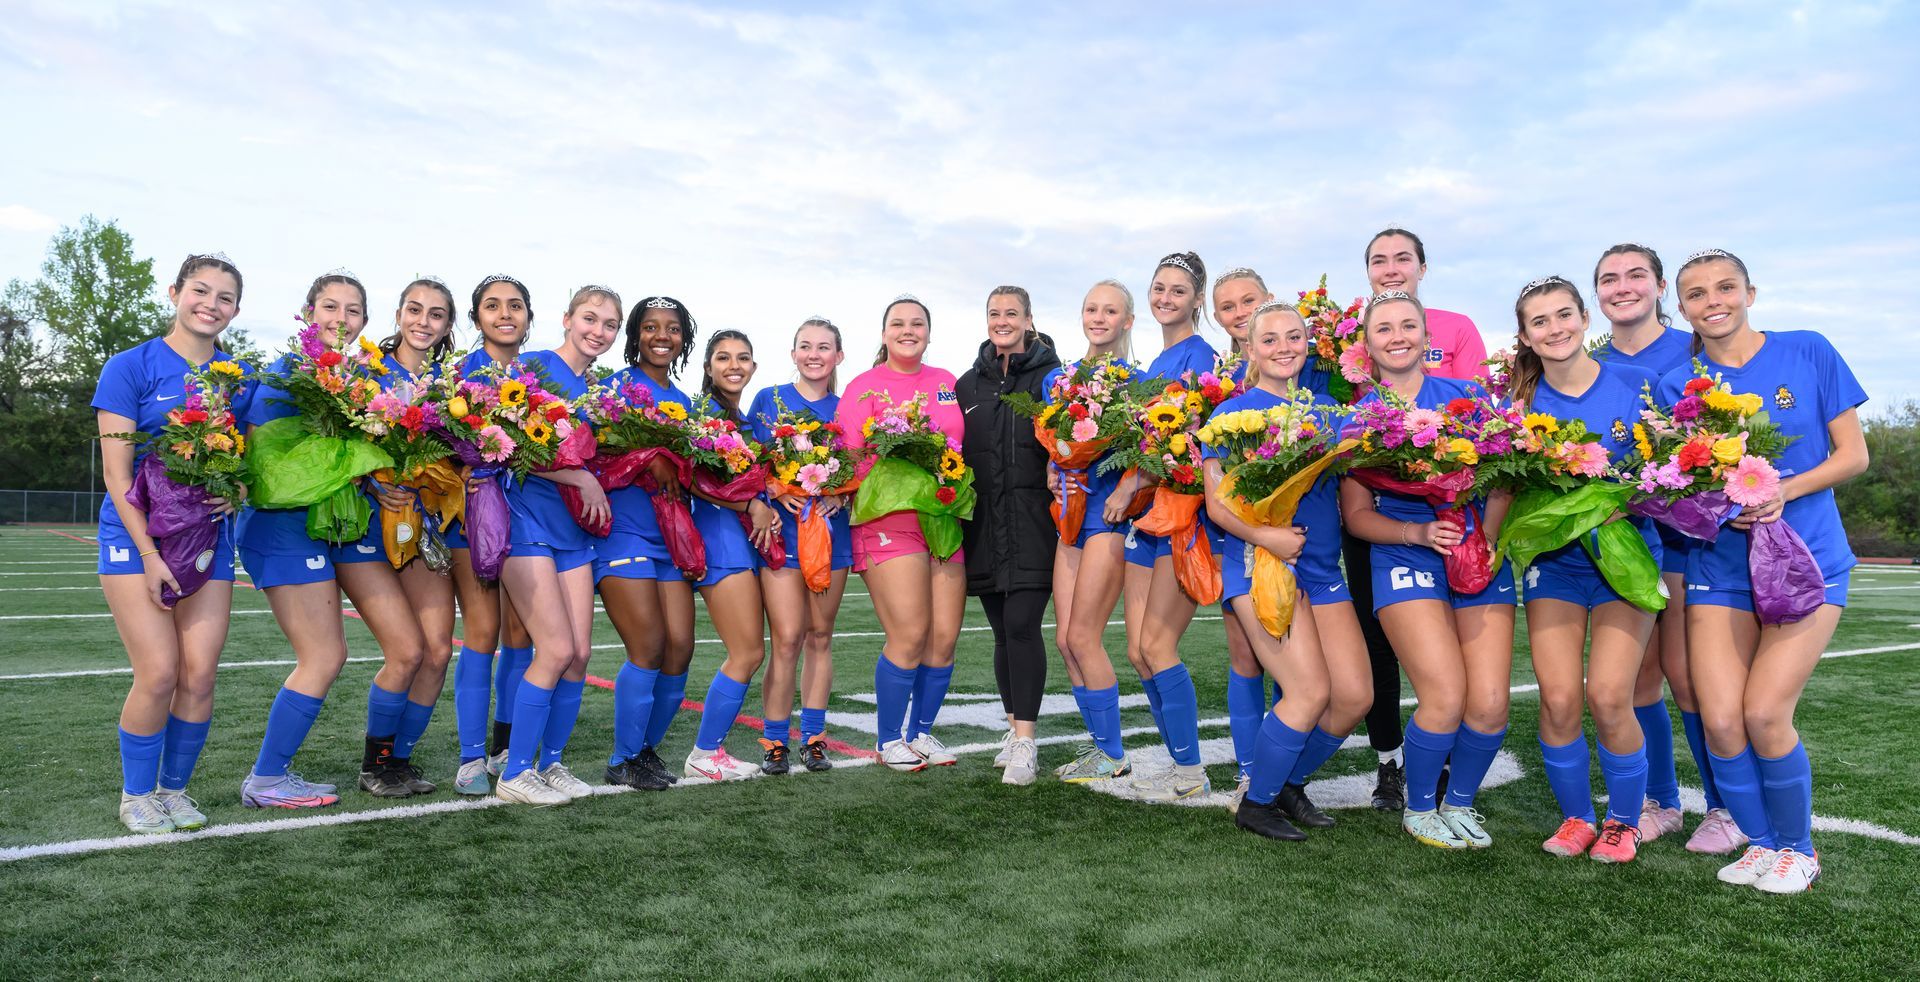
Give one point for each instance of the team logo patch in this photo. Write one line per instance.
(947, 397)
(1435, 355)
(1783, 398)
(203, 561)
(1620, 432)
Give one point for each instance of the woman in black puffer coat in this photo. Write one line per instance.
(1010, 541)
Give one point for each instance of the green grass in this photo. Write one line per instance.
(863, 872)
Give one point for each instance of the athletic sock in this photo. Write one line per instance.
(180, 751)
(1570, 775)
(1663, 781)
(1245, 705)
(560, 719)
(1103, 711)
(288, 721)
(1787, 785)
(1702, 759)
(892, 691)
(780, 730)
(508, 670)
(1180, 707)
(1738, 780)
(1080, 702)
(668, 692)
(1393, 756)
(1152, 689)
(1626, 777)
(1472, 754)
(383, 711)
(929, 691)
(724, 699)
(1321, 746)
(1426, 753)
(140, 761)
(531, 707)
(413, 725)
(472, 688)
(632, 709)
(1276, 752)
(813, 722)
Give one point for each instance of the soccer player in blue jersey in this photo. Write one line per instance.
(801, 621)
(1568, 602)
(1457, 648)
(1748, 676)
(174, 652)
(549, 572)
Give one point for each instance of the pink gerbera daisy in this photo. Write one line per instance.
(1752, 482)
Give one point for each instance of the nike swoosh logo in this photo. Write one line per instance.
(1506, 589)
(1179, 750)
(713, 775)
(969, 410)
(165, 398)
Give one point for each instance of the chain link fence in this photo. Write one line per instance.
(63, 507)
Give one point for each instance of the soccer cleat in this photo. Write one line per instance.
(1080, 753)
(1429, 828)
(1656, 821)
(813, 756)
(1390, 788)
(1619, 843)
(497, 762)
(526, 788)
(386, 781)
(718, 765)
(1718, 835)
(633, 774)
(773, 757)
(184, 811)
(899, 756)
(1268, 820)
(1465, 823)
(1791, 871)
(415, 780)
(1239, 794)
(1300, 809)
(1023, 761)
(1006, 750)
(562, 780)
(651, 760)
(472, 777)
(143, 813)
(1575, 836)
(1096, 766)
(285, 791)
(1743, 871)
(1176, 783)
(314, 786)
(933, 751)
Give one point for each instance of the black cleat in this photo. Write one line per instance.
(1390, 790)
(386, 780)
(651, 761)
(814, 757)
(1294, 803)
(773, 759)
(1268, 821)
(634, 774)
(415, 780)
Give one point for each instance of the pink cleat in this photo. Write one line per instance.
(1717, 835)
(1575, 835)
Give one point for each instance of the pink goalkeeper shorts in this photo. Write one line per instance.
(889, 537)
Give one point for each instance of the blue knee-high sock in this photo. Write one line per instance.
(1738, 780)
(531, 707)
(724, 699)
(929, 691)
(1626, 777)
(1702, 760)
(779, 730)
(413, 725)
(1152, 689)
(1180, 707)
(1321, 747)
(1425, 754)
(1103, 720)
(472, 688)
(140, 761)
(813, 722)
(288, 721)
(1246, 703)
(383, 711)
(1786, 782)
(1276, 752)
(1472, 754)
(181, 750)
(632, 709)
(892, 691)
(1663, 782)
(1570, 775)
(1080, 702)
(668, 692)
(564, 713)
(508, 670)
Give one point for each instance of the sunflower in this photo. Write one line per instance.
(225, 368)
(673, 411)
(952, 466)
(1194, 403)
(513, 392)
(1165, 417)
(538, 431)
(1641, 443)
(1542, 423)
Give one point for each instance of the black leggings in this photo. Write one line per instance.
(1019, 653)
(1383, 720)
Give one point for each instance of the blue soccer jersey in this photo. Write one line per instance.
(762, 414)
(635, 549)
(1191, 355)
(1671, 350)
(539, 513)
(1319, 510)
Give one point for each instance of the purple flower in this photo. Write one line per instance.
(1689, 409)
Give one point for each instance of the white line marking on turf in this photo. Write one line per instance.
(89, 672)
(94, 617)
(1883, 589)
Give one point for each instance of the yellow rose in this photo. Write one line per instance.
(1462, 450)
(1749, 403)
(821, 452)
(1178, 444)
(457, 407)
(1729, 451)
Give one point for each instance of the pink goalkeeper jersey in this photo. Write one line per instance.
(1455, 349)
(862, 399)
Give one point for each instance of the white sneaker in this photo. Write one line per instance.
(1743, 871)
(184, 811)
(1006, 750)
(718, 765)
(1022, 761)
(932, 750)
(143, 813)
(526, 788)
(1175, 783)
(1465, 823)
(900, 756)
(1238, 795)
(562, 780)
(472, 777)
(497, 763)
(1790, 872)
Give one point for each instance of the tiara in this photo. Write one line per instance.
(1707, 254)
(1542, 283)
(660, 303)
(1273, 304)
(1390, 295)
(435, 280)
(597, 288)
(340, 271)
(1178, 260)
(818, 319)
(500, 278)
(1235, 273)
(218, 257)
(906, 298)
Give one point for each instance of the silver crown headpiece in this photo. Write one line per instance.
(1274, 304)
(1178, 260)
(661, 303)
(1544, 282)
(1707, 254)
(1390, 295)
(500, 278)
(1233, 274)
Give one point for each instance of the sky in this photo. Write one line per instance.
(768, 163)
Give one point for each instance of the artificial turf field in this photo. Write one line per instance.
(941, 874)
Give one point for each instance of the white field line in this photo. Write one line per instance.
(1882, 589)
(36, 562)
(92, 672)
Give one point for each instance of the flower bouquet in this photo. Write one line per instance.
(1339, 343)
(727, 467)
(406, 424)
(915, 468)
(634, 431)
(810, 459)
(1427, 453)
(511, 425)
(314, 459)
(1087, 408)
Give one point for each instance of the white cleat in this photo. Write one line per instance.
(900, 757)
(1790, 872)
(142, 813)
(1744, 871)
(933, 751)
(718, 765)
(184, 811)
(526, 788)
(562, 780)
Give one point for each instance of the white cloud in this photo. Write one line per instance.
(20, 218)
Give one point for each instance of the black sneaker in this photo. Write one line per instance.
(634, 774)
(1268, 821)
(1294, 803)
(651, 761)
(1390, 789)
(773, 759)
(386, 780)
(813, 755)
(415, 780)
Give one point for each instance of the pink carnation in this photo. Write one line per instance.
(1752, 482)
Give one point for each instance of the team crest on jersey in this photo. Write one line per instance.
(1783, 398)
(1435, 355)
(1619, 431)
(946, 396)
